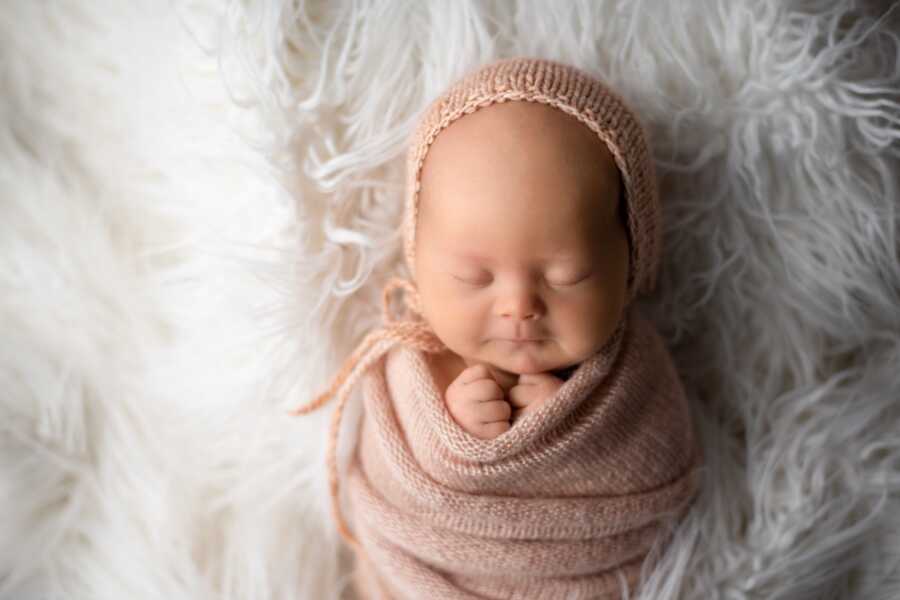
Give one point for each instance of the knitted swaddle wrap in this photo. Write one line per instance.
(559, 506)
(568, 502)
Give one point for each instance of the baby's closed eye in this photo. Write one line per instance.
(566, 278)
(473, 278)
(556, 278)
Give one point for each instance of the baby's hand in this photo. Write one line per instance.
(531, 392)
(476, 402)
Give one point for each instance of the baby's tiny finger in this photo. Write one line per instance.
(519, 396)
(489, 431)
(495, 410)
(474, 373)
(484, 390)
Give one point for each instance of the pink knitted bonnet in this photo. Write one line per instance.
(578, 94)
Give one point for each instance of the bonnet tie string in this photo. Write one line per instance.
(413, 331)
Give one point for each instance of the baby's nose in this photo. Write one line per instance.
(523, 306)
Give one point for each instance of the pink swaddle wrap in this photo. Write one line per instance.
(549, 509)
(570, 500)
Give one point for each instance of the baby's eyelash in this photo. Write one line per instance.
(487, 279)
(473, 282)
(569, 283)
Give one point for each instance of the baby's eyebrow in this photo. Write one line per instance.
(566, 257)
(471, 257)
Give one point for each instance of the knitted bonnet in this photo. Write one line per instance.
(578, 94)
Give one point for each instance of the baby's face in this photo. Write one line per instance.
(521, 254)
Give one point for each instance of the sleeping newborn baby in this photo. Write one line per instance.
(524, 434)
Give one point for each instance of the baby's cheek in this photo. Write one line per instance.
(582, 326)
(472, 322)
(457, 320)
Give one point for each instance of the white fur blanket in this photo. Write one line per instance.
(200, 202)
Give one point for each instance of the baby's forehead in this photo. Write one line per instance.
(526, 153)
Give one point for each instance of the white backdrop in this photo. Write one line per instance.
(199, 204)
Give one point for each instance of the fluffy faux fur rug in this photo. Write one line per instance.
(198, 206)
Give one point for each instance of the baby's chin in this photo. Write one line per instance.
(527, 359)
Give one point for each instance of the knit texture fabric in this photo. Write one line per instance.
(570, 498)
(575, 93)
